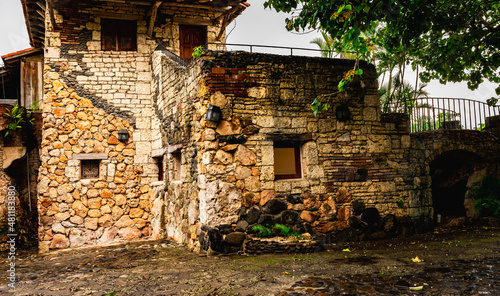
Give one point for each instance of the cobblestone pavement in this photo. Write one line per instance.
(456, 263)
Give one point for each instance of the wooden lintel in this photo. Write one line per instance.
(50, 5)
(128, 17)
(192, 21)
(90, 156)
(152, 20)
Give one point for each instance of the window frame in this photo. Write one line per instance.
(161, 167)
(298, 160)
(176, 165)
(119, 29)
(84, 162)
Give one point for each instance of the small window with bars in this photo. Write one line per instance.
(90, 169)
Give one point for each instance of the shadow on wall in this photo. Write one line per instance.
(451, 173)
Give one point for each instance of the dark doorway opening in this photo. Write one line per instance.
(450, 173)
(191, 37)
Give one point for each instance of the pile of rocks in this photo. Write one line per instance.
(231, 238)
(367, 224)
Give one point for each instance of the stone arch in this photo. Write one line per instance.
(450, 172)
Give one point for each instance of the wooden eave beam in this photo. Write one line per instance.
(226, 17)
(223, 26)
(144, 3)
(152, 20)
(50, 6)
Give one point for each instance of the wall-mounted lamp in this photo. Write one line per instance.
(342, 113)
(123, 135)
(213, 113)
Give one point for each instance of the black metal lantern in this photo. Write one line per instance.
(123, 135)
(342, 113)
(213, 113)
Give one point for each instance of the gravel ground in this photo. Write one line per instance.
(452, 262)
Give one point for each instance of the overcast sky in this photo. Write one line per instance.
(256, 26)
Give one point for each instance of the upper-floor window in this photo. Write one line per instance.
(118, 35)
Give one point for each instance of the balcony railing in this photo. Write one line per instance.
(443, 113)
(255, 48)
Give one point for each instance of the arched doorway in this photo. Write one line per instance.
(450, 173)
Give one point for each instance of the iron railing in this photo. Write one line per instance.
(443, 113)
(182, 62)
(252, 48)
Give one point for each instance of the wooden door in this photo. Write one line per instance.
(191, 37)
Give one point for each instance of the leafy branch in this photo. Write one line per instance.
(16, 116)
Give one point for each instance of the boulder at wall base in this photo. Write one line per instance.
(266, 219)
(358, 207)
(211, 238)
(370, 216)
(347, 235)
(289, 217)
(253, 215)
(235, 239)
(303, 228)
(275, 206)
(242, 226)
(357, 223)
(294, 199)
(390, 225)
(225, 228)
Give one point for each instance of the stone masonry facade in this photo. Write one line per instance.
(227, 168)
(91, 94)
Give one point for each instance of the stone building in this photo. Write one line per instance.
(94, 188)
(129, 149)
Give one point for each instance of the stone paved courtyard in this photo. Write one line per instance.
(457, 262)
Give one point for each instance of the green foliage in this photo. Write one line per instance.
(326, 45)
(35, 106)
(317, 106)
(261, 230)
(400, 203)
(428, 123)
(110, 293)
(492, 101)
(276, 230)
(197, 51)
(452, 41)
(283, 230)
(487, 196)
(15, 117)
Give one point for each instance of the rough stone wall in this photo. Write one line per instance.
(175, 206)
(89, 95)
(265, 99)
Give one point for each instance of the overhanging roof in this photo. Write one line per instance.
(34, 11)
